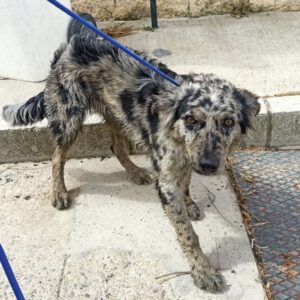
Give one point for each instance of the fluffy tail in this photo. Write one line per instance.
(33, 110)
(26, 113)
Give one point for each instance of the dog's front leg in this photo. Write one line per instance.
(172, 197)
(192, 208)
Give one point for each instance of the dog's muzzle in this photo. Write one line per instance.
(207, 166)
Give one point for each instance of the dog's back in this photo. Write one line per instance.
(91, 75)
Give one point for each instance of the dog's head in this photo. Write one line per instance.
(209, 118)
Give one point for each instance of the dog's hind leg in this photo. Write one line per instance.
(64, 131)
(119, 148)
(59, 197)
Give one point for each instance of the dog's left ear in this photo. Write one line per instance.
(249, 108)
(146, 90)
(149, 89)
(164, 106)
(165, 109)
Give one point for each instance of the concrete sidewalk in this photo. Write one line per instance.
(115, 239)
(259, 52)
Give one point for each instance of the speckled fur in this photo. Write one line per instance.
(182, 128)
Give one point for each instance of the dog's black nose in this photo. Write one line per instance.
(209, 165)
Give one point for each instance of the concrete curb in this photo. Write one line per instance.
(278, 125)
(34, 144)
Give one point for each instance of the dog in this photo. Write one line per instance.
(190, 127)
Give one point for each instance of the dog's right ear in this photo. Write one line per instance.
(162, 106)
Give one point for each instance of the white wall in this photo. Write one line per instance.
(30, 32)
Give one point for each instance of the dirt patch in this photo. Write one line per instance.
(138, 9)
(107, 10)
(135, 11)
(97, 8)
(241, 8)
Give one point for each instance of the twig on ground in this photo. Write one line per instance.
(174, 275)
(5, 170)
(219, 265)
(259, 224)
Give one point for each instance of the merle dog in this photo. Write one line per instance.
(185, 128)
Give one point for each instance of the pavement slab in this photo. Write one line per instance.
(33, 235)
(115, 239)
(270, 183)
(259, 52)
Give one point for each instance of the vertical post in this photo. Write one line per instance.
(153, 9)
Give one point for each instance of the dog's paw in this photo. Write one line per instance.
(194, 212)
(209, 279)
(140, 176)
(60, 200)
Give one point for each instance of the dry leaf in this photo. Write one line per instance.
(291, 273)
(286, 266)
(117, 31)
(289, 254)
(249, 179)
(297, 186)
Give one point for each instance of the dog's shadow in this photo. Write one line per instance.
(117, 184)
(110, 178)
(113, 184)
(226, 255)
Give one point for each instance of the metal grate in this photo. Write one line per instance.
(270, 183)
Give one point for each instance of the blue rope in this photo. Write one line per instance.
(10, 275)
(111, 40)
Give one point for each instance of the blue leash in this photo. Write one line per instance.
(10, 275)
(111, 40)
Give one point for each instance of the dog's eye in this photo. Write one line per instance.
(228, 123)
(190, 120)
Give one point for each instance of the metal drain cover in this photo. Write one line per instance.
(270, 183)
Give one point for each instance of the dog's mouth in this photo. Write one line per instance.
(205, 173)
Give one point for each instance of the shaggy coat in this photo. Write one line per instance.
(185, 128)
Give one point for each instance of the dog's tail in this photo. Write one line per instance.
(26, 113)
(33, 110)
